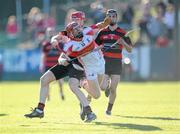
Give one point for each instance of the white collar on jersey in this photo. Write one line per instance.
(112, 28)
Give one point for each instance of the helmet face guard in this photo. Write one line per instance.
(74, 30)
(112, 14)
(77, 32)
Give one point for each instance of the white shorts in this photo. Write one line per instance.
(94, 64)
(93, 72)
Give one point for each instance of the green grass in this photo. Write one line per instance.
(140, 108)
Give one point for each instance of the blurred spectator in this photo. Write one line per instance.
(169, 20)
(157, 29)
(144, 34)
(98, 12)
(161, 6)
(49, 21)
(68, 16)
(32, 21)
(37, 24)
(127, 16)
(12, 27)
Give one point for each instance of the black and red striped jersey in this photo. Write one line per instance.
(51, 54)
(106, 37)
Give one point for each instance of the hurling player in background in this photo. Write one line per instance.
(113, 56)
(49, 57)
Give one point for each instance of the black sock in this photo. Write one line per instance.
(41, 106)
(87, 109)
(109, 108)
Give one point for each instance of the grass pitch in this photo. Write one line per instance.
(140, 108)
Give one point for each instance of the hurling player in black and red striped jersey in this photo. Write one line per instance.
(113, 56)
(49, 57)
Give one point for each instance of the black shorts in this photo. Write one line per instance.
(61, 71)
(113, 66)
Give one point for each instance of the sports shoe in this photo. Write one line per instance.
(82, 113)
(108, 112)
(62, 97)
(90, 117)
(35, 114)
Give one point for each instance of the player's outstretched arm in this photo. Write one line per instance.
(104, 23)
(54, 41)
(126, 44)
(59, 38)
(97, 27)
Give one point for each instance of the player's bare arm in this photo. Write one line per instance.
(127, 46)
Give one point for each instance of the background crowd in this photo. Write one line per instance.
(156, 20)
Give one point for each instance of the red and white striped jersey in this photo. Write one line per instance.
(78, 48)
(74, 48)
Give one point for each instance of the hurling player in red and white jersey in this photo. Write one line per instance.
(81, 42)
(60, 71)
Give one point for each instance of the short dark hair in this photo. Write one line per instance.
(111, 11)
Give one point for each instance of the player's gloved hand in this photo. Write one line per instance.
(107, 21)
(54, 43)
(59, 38)
(63, 39)
(103, 24)
(125, 44)
(127, 39)
(63, 61)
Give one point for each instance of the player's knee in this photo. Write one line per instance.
(44, 80)
(97, 95)
(103, 87)
(113, 92)
(73, 85)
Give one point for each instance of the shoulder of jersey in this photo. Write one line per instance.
(86, 30)
(121, 30)
(105, 29)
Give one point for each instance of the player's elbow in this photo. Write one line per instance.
(54, 38)
(129, 49)
(96, 94)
